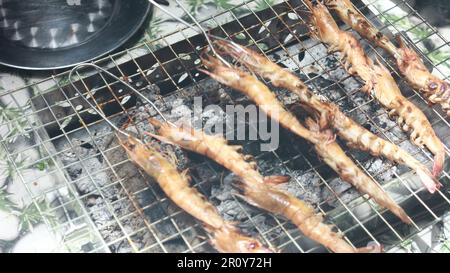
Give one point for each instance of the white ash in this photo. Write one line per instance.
(90, 175)
(224, 191)
(228, 207)
(100, 212)
(287, 97)
(338, 186)
(305, 186)
(180, 110)
(232, 211)
(376, 166)
(210, 118)
(384, 122)
(358, 117)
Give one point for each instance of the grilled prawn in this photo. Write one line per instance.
(336, 158)
(226, 237)
(378, 81)
(328, 114)
(262, 96)
(257, 190)
(409, 63)
(340, 162)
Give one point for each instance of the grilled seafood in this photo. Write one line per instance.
(327, 113)
(226, 237)
(336, 158)
(339, 161)
(257, 190)
(262, 96)
(409, 63)
(378, 81)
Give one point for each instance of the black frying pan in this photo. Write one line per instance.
(51, 34)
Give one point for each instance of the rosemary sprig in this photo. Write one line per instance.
(7, 168)
(194, 5)
(264, 4)
(15, 121)
(224, 4)
(6, 204)
(419, 32)
(34, 214)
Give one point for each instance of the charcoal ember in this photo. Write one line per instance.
(351, 85)
(224, 190)
(265, 224)
(384, 171)
(331, 62)
(231, 210)
(121, 247)
(180, 110)
(91, 176)
(99, 212)
(384, 122)
(358, 117)
(214, 93)
(305, 186)
(143, 239)
(182, 161)
(286, 97)
(227, 205)
(211, 118)
(338, 186)
(175, 245)
(415, 150)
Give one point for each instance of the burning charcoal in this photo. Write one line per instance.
(121, 247)
(384, 122)
(306, 186)
(233, 211)
(331, 62)
(287, 97)
(100, 213)
(377, 166)
(212, 117)
(338, 186)
(262, 221)
(91, 176)
(223, 191)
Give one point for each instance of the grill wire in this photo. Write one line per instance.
(158, 225)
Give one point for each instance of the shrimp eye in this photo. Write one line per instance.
(252, 245)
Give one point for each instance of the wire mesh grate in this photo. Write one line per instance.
(101, 202)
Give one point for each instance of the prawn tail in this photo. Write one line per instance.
(371, 249)
(438, 163)
(399, 212)
(312, 226)
(430, 183)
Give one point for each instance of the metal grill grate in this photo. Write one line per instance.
(101, 202)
